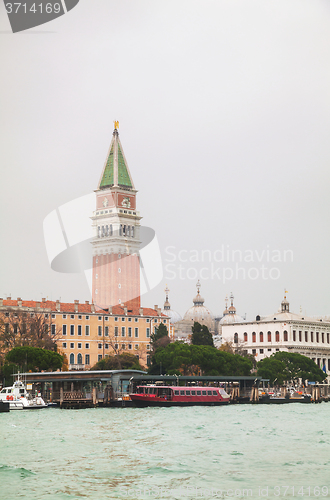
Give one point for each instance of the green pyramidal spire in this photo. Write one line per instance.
(116, 171)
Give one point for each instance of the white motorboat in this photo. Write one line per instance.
(19, 398)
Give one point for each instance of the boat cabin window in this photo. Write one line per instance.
(176, 393)
(199, 393)
(21, 391)
(3, 390)
(193, 393)
(187, 393)
(209, 393)
(204, 393)
(214, 393)
(140, 390)
(181, 393)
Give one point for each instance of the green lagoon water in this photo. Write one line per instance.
(197, 452)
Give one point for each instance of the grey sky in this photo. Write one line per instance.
(224, 119)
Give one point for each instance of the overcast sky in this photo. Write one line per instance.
(224, 115)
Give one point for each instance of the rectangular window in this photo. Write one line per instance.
(130, 320)
(129, 331)
(148, 320)
(86, 359)
(300, 336)
(87, 317)
(306, 336)
(116, 319)
(322, 334)
(294, 335)
(106, 346)
(79, 330)
(261, 351)
(64, 345)
(148, 347)
(123, 333)
(87, 330)
(53, 316)
(106, 318)
(79, 316)
(71, 329)
(71, 345)
(123, 318)
(123, 346)
(72, 316)
(116, 331)
(254, 351)
(136, 332)
(53, 329)
(99, 346)
(136, 346)
(136, 320)
(99, 357)
(130, 346)
(148, 333)
(312, 337)
(106, 331)
(100, 318)
(87, 346)
(328, 339)
(99, 331)
(79, 345)
(156, 320)
(317, 337)
(116, 346)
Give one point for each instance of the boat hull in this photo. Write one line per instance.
(144, 404)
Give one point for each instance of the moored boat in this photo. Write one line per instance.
(163, 395)
(19, 399)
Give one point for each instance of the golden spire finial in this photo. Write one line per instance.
(116, 125)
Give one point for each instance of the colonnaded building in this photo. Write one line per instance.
(282, 331)
(115, 320)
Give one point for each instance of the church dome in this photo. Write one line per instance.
(231, 316)
(173, 315)
(199, 312)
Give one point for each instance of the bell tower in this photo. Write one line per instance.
(116, 228)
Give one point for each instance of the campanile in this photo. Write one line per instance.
(116, 228)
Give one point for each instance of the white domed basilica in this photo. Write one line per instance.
(173, 315)
(198, 312)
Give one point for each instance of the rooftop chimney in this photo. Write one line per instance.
(125, 310)
(93, 308)
(141, 311)
(110, 309)
(43, 299)
(87, 302)
(19, 302)
(1, 302)
(58, 306)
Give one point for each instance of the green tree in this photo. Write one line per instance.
(160, 333)
(34, 358)
(179, 357)
(289, 366)
(124, 361)
(201, 335)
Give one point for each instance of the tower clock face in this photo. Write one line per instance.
(126, 203)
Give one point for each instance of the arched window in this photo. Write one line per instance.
(72, 359)
(253, 336)
(277, 336)
(261, 335)
(236, 338)
(245, 337)
(79, 359)
(269, 336)
(285, 336)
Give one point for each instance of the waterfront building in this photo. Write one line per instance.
(86, 333)
(199, 313)
(282, 331)
(116, 241)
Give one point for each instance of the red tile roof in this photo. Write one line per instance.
(69, 307)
